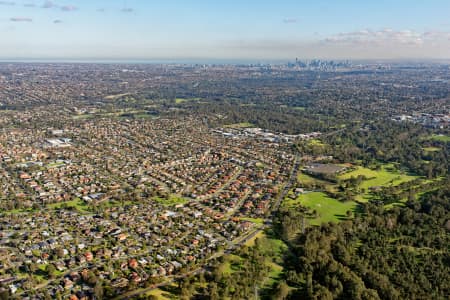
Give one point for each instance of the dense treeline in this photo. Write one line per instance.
(392, 143)
(235, 277)
(402, 253)
(273, 117)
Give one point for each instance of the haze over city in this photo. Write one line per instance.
(248, 30)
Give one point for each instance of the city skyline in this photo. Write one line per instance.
(254, 30)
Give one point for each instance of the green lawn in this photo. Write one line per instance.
(440, 138)
(328, 209)
(19, 211)
(160, 294)
(172, 200)
(116, 203)
(254, 220)
(114, 97)
(180, 100)
(183, 100)
(83, 116)
(272, 248)
(383, 177)
(231, 263)
(55, 165)
(240, 125)
(431, 149)
(274, 274)
(251, 242)
(305, 178)
(77, 203)
(316, 142)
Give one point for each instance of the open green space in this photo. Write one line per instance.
(305, 178)
(183, 100)
(231, 263)
(114, 97)
(251, 242)
(19, 211)
(240, 125)
(83, 116)
(431, 149)
(328, 209)
(316, 142)
(271, 247)
(274, 275)
(173, 199)
(55, 165)
(376, 178)
(160, 294)
(116, 203)
(440, 138)
(258, 221)
(77, 204)
(309, 182)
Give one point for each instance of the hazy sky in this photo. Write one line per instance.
(230, 29)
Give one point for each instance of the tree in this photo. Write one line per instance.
(282, 291)
(4, 294)
(51, 270)
(213, 291)
(98, 290)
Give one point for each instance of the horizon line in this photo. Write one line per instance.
(181, 60)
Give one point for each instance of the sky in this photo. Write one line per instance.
(224, 29)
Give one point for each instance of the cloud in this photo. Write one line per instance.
(290, 20)
(29, 5)
(127, 10)
(363, 44)
(21, 19)
(68, 8)
(57, 22)
(48, 4)
(7, 3)
(101, 10)
(378, 37)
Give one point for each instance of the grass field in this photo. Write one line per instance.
(55, 165)
(114, 97)
(383, 177)
(258, 221)
(305, 178)
(172, 200)
(316, 142)
(272, 248)
(251, 242)
(19, 211)
(240, 125)
(160, 294)
(116, 203)
(183, 100)
(77, 203)
(440, 138)
(328, 209)
(431, 149)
